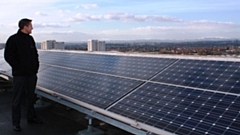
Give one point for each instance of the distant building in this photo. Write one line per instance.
(95, 45)
(92, 45)
(101, 46)
(59, 45)
(52, 44)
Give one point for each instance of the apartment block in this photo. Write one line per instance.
(95, 45)
(52, 44)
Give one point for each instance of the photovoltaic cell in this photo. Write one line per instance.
(83, 61)
(212, 75)
(53, 77)
(43, 53)
(42, 67)
(97, 90)
(134, 67)
(54, 58)
(181, 110)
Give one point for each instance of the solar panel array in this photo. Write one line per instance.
(181, 96)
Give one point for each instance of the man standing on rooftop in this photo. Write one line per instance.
(21, 54)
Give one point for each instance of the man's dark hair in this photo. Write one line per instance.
(24, 22)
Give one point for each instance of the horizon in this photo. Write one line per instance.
(79, 21)
(153, 40)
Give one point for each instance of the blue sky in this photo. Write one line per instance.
(80, 20)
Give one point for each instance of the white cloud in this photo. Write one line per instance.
(125, 17)
(119, 16)
(50, 25)
(213, 23)
(89, 6)
(173, 32)
(71, 32)
(165, 19)
(38, 13)
(66, 36)
(81, 17)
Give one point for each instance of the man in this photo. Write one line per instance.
(21, 54)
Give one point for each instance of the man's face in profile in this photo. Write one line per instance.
(28, 28)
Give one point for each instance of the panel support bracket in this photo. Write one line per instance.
(90, 130)
(41, 104)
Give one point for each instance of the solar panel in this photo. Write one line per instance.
(53, 77)
(43, 53)
(42, 67)
(83, 61)
(134, 67)
(53, 58)
(213, 75)
(182, 110)
(98, 90)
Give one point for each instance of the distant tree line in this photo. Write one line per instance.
(228, 47)
(184, 48)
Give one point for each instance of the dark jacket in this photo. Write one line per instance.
(21, 54)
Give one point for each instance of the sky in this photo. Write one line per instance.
(81, 20)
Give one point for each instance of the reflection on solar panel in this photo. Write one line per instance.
(98, 90)
(134, 67)
(213, 75)
(95, 89)
(53, 77)
(53, 58)
(84, 61)
(181, 110)
(42, 67)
